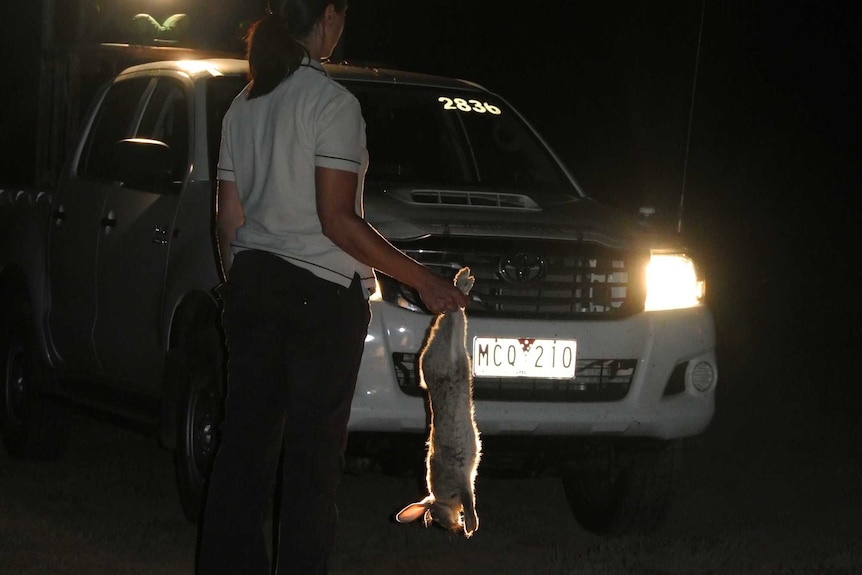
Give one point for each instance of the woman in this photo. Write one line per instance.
(297, 258)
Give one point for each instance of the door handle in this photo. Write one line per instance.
(110, 220)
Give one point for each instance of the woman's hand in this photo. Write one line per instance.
(440, 295)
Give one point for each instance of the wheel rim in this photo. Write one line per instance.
(203, 431)
(16, 385)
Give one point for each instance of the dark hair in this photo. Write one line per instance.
(273, 45)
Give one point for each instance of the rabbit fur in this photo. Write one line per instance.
(454, 446)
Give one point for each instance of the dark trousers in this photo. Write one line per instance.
(294, 347)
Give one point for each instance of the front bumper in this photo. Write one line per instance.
(666, 347)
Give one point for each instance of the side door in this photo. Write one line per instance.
(77, 226)
(135, 243)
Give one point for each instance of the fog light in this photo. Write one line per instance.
(703, 376)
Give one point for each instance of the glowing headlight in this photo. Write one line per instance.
(672, 282)
(387, 289)
(376, 295)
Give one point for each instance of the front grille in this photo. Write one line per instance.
(518, 278)
(595, 380)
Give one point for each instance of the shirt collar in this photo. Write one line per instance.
(306, 61)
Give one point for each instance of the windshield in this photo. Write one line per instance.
(443, 137)
(434, 137)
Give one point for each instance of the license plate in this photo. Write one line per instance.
(524, 357)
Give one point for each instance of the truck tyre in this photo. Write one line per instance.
(32, 426)
(630, 492)
(199, 369)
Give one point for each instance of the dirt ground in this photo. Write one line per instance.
(774, 486)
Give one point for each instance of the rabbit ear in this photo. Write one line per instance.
(412, 512)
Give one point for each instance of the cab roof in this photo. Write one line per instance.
(208, 67)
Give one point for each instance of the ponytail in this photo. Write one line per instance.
(273, 54)
(273, 46)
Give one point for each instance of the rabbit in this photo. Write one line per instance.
(454, 445)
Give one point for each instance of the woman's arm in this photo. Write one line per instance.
(229, 217)
(336, 200)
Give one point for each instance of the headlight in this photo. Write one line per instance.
(672, 282)
(387, 289)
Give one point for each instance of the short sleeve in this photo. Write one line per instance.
(341, 134)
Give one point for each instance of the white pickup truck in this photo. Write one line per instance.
(593, 351)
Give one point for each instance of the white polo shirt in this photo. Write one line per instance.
(271, 146)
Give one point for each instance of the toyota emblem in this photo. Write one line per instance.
(522, 267)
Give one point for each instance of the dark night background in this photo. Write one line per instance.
(772, 171)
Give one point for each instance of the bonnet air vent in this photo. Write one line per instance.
(474, 199)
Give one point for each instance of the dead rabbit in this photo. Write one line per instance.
(454, 446)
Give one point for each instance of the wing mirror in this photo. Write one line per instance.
(144, 164)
